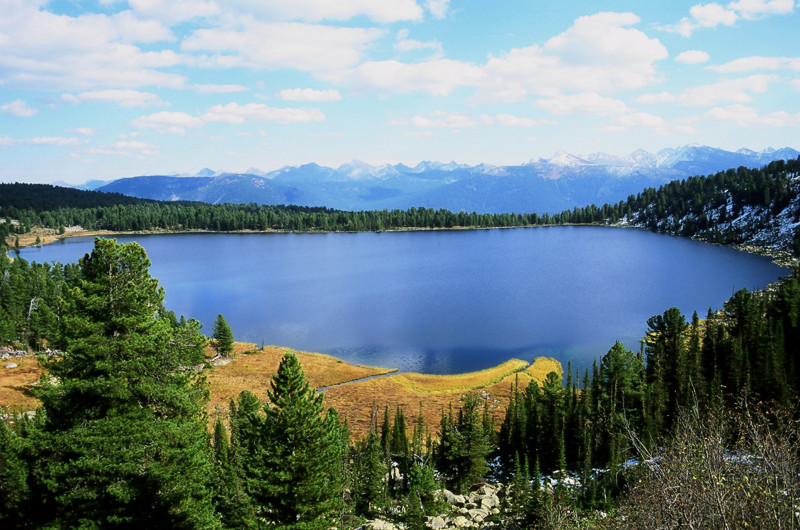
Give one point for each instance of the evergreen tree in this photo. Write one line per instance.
(223, 335)
(369, 475)
(13, 475)
(233, 503)
(123, 441)
(293, 472)
(463, 445)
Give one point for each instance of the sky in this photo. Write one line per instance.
(105, 89)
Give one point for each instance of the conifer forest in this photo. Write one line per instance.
(697, 429)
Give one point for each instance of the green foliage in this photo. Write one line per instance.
(369, 473)
(223, 335)
(292, 464)
(123, 440)
(463, 446)
(13, 478)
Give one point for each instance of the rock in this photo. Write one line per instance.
(479, 512)
(459, 500)
(220, 360)
(378, 524)
(490, 501)
(11, 365)
(461, 522)
(437, 522)
(449, 497)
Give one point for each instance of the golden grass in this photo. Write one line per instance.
(356, 400)
(15, 383)
(425, 383)
(253, 372)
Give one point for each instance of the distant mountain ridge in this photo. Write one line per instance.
(541, 185)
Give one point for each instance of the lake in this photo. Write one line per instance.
(444, 301)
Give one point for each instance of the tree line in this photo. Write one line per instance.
(693, 207)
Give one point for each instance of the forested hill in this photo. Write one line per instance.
(758, 207)
(44, 197)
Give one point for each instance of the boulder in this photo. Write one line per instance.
(490, 501)
(11, 365)
(437, 522)
(461, 522)
(449, 497)
(379, 524)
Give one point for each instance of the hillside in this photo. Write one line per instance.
(549, 185)
(759, 208)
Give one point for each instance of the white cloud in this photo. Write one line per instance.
(309, 94)
(660, 97)
(795, 83)
(383, 11)
(45, 51)
(745, 116)
(439, 77)
(259, 112)
(587, 103)
(444, 119)
(404, 44)
(751, 9)
(642, 119)
(598, 53)
(508, 120)
(178, 122)
(749, 64)
(438, 8)
(172, 122)
(456, 120)
(58, 140)
(173, 11)
(123, 98)
(692, 57)
(86, 131)
(18, 108)
(297, 46)
(727, 91)
(712, 15)
(130, 29)
(219, 89)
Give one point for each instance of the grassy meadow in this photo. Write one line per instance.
(355, 391)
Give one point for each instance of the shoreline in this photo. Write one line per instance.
(46, 236)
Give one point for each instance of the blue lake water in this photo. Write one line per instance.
(440, 302)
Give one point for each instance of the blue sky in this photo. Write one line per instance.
(106, 89)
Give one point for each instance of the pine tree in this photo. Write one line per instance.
(223, 335)
(13, 475)
(123, 442)
(463, 446)
(368, 488)
(294, 472)
(233, 503)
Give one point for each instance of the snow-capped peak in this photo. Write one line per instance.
(562, 158)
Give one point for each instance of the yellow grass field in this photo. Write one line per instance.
(15, 384)
(355, 391)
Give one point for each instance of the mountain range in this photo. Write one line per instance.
(560, 182)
